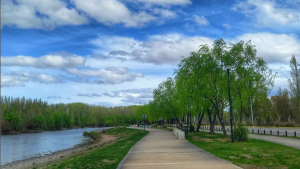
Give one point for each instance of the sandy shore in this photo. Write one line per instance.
(42, 162)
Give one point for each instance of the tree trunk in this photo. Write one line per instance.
(200, 117)
(190, 119)
(221, 120)
(211, 121)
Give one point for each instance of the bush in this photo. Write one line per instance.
(39, 121)
(192, 128)
(240, 133)
(14, 120)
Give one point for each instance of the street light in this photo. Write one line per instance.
(230, 106)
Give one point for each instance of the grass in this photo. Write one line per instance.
(93, 134)
(107, 157)
(254, 154)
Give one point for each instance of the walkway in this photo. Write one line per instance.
(161, 150)
(291, 142)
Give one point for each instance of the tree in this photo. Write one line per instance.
(294, 86)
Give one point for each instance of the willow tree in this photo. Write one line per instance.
(294, 86)
(166, 98)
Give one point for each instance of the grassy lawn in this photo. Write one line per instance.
(107, 157)
(254, 154)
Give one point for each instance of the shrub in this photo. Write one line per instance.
(240, 133)
(192, 128)
(39, 121)
(14, 120)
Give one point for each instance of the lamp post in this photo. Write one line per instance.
(230, 106)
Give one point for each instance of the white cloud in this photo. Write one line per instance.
(164, 13)
(40, 14)
(89, 94)
(167, 2)
(113, 12)
(131, 93)
(132, 96)
(274, 47)
(269, 13)
(110, 75)
(228, 27)
(158, 49)
(54, 97)
(47, 61)
(201, 20)
(20, 78)
(169, 49)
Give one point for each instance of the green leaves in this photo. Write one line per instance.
(201, 81)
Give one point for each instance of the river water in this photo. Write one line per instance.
(24, 146)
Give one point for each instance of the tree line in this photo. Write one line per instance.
(198, 91)
(25, 115)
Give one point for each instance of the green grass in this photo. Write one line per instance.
(254, 153)
(107, 157)
(93, 134)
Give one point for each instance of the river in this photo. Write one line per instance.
(24, 146)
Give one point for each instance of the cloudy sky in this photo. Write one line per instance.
(115, 52)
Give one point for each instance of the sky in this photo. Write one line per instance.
(115, 52)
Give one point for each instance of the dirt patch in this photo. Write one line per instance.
(108, 161)
(246, 166)
(264, 155)
(196, 138)
(247, 156)
(40, 162)
(233, 157)
(223, 139)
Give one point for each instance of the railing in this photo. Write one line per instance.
(262, 131)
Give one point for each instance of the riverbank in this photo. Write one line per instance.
(60, 155)
(13, 132)
(106, 154)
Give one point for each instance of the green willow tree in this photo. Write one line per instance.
(294, 86)
(200, 86)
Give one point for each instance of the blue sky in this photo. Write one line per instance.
(114, 52)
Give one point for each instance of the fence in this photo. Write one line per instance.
(262, 131)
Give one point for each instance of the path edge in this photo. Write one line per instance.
(122, 161)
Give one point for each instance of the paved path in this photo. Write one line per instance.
(161, 150)
(291, 142)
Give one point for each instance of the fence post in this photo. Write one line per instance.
(285, 133)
